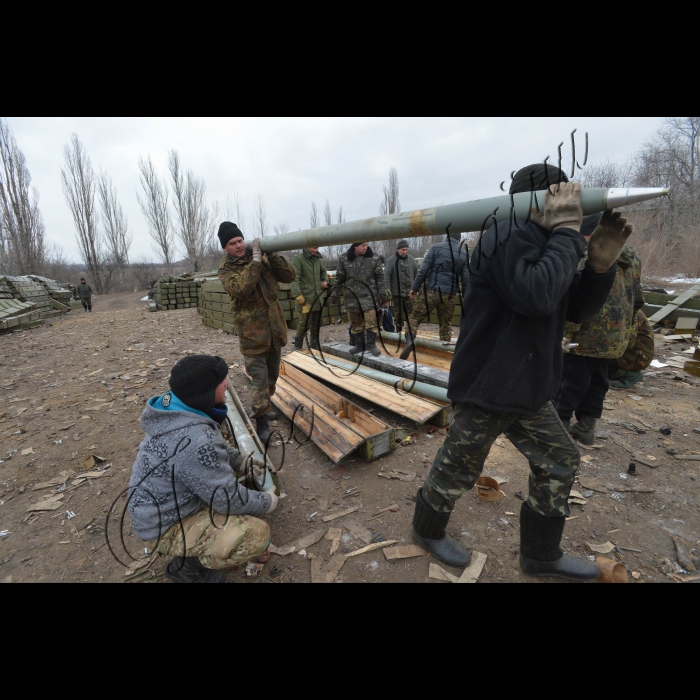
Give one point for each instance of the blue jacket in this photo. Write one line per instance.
(444, 269)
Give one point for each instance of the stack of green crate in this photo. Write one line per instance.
(215, 308)
(5, 292)
(181, 294)
(26, 289)
(56, 291)
(18, 315)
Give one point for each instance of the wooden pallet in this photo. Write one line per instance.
(414, 408)
(337, 426)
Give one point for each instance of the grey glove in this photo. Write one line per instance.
(257, 252)
(274, 504)
(608, 241)
(562, 208)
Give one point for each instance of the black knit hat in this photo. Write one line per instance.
(227, 232)
(535, 178)
(195, 379)
(402, 244)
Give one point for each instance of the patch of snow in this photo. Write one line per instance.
(145, 299)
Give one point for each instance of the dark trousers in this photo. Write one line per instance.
(584, 386)
(553, 456)
(87, 305)
(309, 322)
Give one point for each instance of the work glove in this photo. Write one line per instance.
(257, 252)
(301, 301)
(564, 344)
(562, 208)
(608, 241)
(306, 310)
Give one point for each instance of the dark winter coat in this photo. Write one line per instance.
(254, 291)
(445, 266)
(400, 275)
(606, 334)
(362, 280)
(521, 293)
(84, 291)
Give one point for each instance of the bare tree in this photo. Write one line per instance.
(261, 228)
(22, 231)
(314, 221)
(328, 214)
(116, 234)
(154, 205)
(281, 228)
(341, 216)
(607, 175)
(391, 203)
(233, 211)
(195, 219)
(79, 186)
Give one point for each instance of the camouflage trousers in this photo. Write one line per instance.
(219, 545)
(424, 305)
(361, 322)
(264, 371)
(554, 457)
(309, 322)
(403, 310)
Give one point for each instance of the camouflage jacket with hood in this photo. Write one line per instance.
(606, 335)
(362, 280)
(254, 291)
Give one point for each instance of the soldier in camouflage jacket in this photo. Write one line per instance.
(254, 290)
(600, 339)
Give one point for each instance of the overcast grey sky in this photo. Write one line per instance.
(294, 160)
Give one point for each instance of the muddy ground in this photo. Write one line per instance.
(77, 386)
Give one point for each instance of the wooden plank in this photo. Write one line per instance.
(393, 366)
(425, 356)
(472, 574)
(334, 535)
(667, 299)
(410, 552)
(675, 304)
(414, 408)
(317, 573)
(439, 574)
(362, 533)
(371, 548)
(334, 567)
(329, 434)
(342, 514)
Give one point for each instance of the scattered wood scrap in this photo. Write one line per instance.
(409, 552)
(473, 573)
(362, 533)
(372, 548)
(334, 535)
(342, 514)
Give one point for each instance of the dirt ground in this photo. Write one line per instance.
(78, 385)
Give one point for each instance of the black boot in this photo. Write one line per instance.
(358, 347)
(429, 532)
(409, 347)
(315, 341)
(584, 431)
(191, 571)
(262, 427)
(372, 344)
(540, 551)
(298, 344)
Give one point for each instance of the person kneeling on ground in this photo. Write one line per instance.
(185, 499)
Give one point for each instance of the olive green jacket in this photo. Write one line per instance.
(311, 274)
(254, 291)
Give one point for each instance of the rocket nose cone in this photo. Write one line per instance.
(624, 197)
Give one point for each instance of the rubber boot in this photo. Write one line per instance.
(298, 344)
(372, 344)
(429, 532)
(315, 340)
(191, 571)
(540, 551)
(409, 347)
(358, 344)
(627, 381)
(584, 431)
(262, 428)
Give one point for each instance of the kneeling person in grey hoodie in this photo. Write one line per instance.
(185, 499)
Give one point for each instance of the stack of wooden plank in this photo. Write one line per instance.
(669, 308)
(337, 426)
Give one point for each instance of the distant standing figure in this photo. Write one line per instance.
(444, 271)
(84, 293)
(401, 272)
(309, 289)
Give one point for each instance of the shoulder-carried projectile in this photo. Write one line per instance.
(462, 218)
